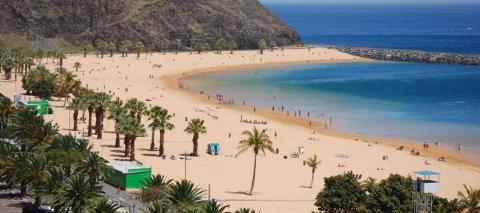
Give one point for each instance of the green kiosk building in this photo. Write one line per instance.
(42, 106)
(128, 175)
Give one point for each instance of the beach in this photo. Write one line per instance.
(281, 183)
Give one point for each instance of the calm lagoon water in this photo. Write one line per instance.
(411, 101)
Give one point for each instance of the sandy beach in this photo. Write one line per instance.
(280, 185)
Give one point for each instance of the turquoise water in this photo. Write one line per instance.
(409, 101)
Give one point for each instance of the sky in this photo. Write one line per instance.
(372, 1)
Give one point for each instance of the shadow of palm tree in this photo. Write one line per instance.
(238, 192)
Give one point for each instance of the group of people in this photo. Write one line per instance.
(254, 121)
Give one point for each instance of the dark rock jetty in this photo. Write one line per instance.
(411, 55)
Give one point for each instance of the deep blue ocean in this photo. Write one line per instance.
(430, 27)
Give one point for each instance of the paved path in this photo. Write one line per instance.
(126, 199)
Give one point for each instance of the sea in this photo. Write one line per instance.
(430, 27)
(407, 101)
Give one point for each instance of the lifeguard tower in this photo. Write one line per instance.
(426, 184)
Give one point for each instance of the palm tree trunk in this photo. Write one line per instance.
(132, 148)
(127, 145)
(65, 101)
(313, 177)
(97, 121)
(90, 111)
(117, 135)
(254, 172)
(195, 144)
(161, 150)
(75, 120)
(117, 139)
(152, 144)
(38, 201)
(23, 188)
(99, 124)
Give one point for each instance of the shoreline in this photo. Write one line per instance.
(153, 78)
(433, 152)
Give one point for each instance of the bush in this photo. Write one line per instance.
(40, 82)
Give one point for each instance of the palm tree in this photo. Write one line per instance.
(77, 105)
(77, 66)
(164, 121)
(101, 46)
(101, 101)
(258, 141)
(115, 112)
(161, 121)
(155, 188)
(52, 185)
(139, 47)
(185, 196)
(164, 43)
(61, 55)
(470, 201)
(29, 130)
(159, 206)
(111, 47)
(85, 46)
(220, 45)
(87, 98)
(125, 47)
(244, 210)
(212, 206)
(65, 83)
(137, 108)
(77, 194)
(313, 163)
(131, 128)
(177, 43)
(196, 127)
(33, 172)
(6, 108)
(232, 45)
(7, 65)
(206, 47)
(96, 168)
(67, 151)
(155, 124)
(273, 44)
(103, 205)
(262, 44)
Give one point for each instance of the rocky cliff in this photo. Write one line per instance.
(151, 21)
(412, 56)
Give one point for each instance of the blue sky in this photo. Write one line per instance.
(372, 1)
